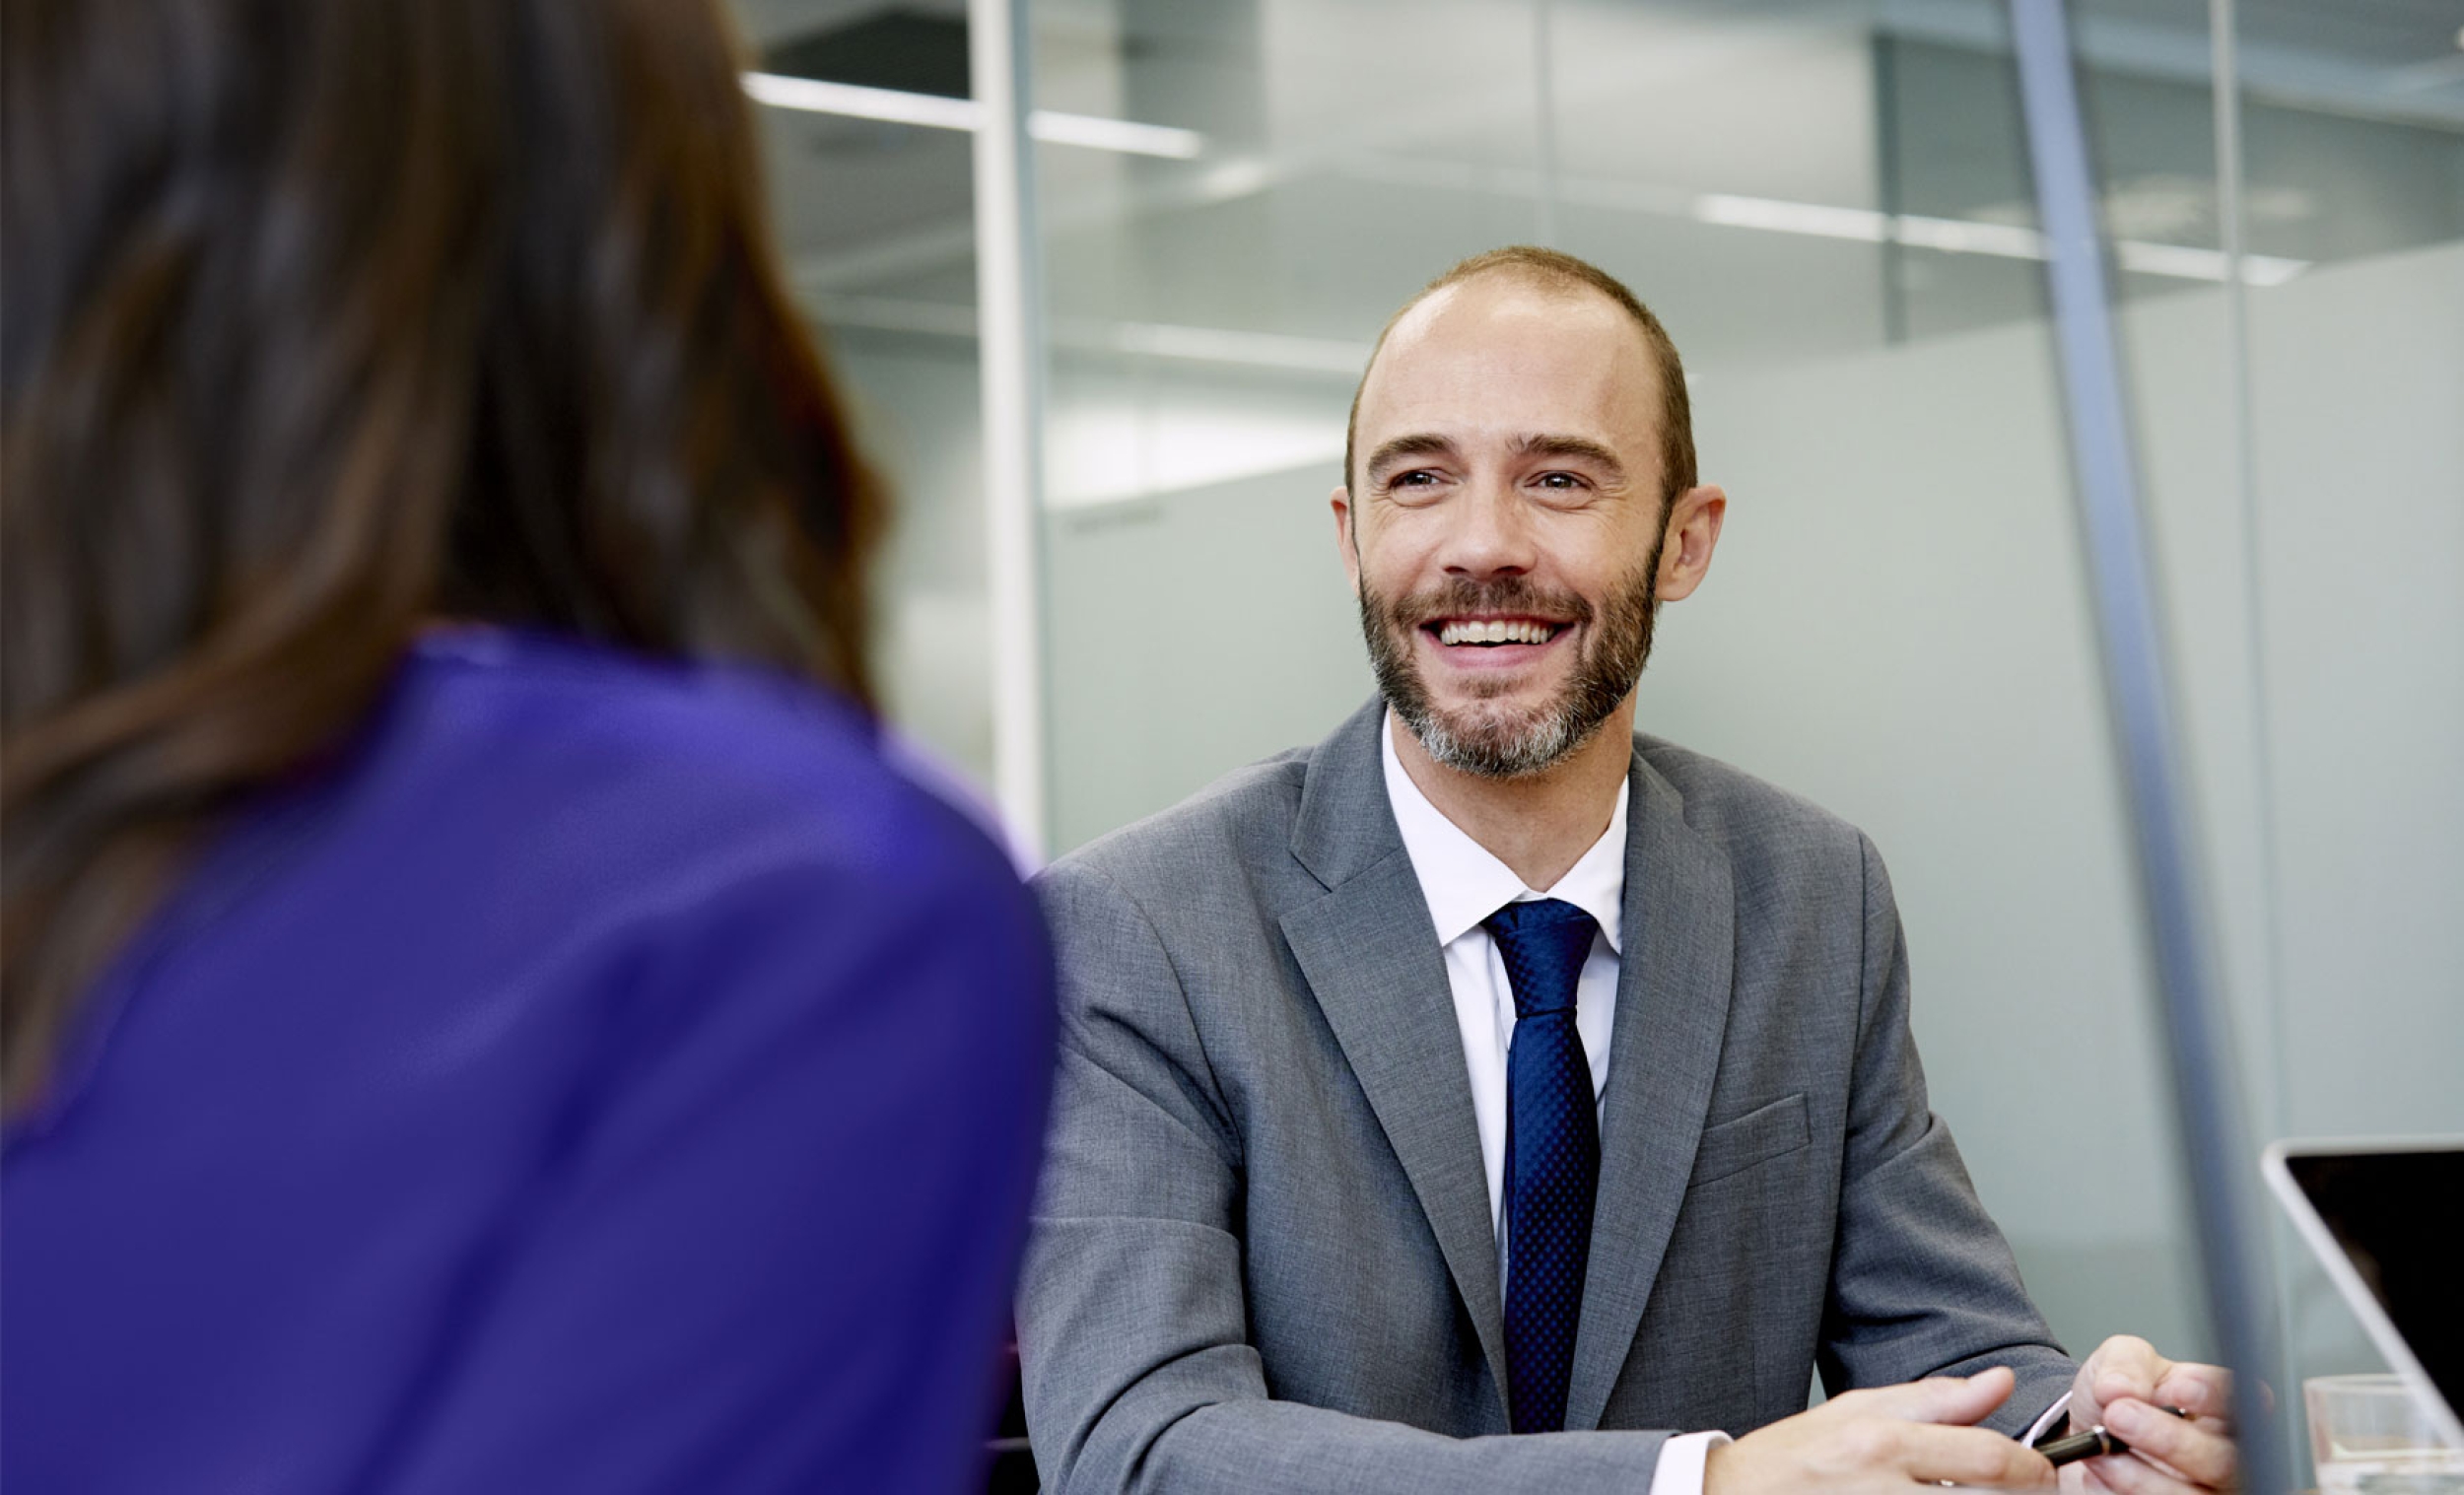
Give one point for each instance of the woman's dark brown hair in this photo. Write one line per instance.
(328, 318)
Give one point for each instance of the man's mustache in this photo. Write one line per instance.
(1505, 594)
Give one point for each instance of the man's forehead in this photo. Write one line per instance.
(1505, 346)
(1506, 293)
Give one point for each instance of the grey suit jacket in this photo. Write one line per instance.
(1263, 1256)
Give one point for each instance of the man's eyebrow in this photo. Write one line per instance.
(1582, 446)
(1424, 443)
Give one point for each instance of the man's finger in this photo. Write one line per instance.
(2198, 1450)
(1972, 1455)
(1937, 1399)
(2130, 1475)
(2126, 1366)
(2128, 1349)
(2203, 1390)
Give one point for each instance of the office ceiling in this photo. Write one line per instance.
(1353, 145)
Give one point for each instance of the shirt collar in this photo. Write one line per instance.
(1464, 883)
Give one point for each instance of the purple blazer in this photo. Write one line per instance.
(607, 1076)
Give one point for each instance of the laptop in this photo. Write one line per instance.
(2386, 1216)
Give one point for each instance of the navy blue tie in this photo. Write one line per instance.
(1552, 1155)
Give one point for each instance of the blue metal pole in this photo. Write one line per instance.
(2207, 1093)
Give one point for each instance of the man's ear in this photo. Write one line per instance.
(1341, 502)
(1692, 533)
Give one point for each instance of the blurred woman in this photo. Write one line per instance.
(481, 1013)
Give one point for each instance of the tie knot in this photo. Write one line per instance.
(1544, 944)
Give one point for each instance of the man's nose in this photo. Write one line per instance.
(1490, 534)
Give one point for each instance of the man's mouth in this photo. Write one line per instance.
(1490, 633)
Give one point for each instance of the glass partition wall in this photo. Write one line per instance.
(871, 184)
(1830, 205)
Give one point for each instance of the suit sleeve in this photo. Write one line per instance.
(1922, 1281)
(1132, 1321)
(773, 1248)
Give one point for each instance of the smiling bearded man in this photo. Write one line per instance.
(1492, 1097)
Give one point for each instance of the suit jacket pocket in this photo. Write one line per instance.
(1757, 1136)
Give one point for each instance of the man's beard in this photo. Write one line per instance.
(1497, 741)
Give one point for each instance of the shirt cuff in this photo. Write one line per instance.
(1680, 1469)
(2043, 1428)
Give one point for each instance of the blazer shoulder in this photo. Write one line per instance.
(1246, 815)
(1755, 821)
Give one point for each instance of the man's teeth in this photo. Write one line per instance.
(1519, 632)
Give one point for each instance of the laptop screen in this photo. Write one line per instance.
(2400, 1218)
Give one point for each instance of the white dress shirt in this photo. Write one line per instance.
(1465, 884)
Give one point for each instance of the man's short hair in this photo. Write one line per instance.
(1551, 270)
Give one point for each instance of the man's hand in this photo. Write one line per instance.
(1888, 1437)
(2127, 1387)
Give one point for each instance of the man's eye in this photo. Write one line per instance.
(1412, 480)
(1559, 480)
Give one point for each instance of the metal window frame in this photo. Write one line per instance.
(1011, 371)
(2198, 1029)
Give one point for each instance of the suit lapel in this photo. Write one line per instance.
(1373, 963)
(1673, 999)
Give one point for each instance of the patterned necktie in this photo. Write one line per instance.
(1552, 1155)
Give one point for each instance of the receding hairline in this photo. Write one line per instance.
(1554, 273)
